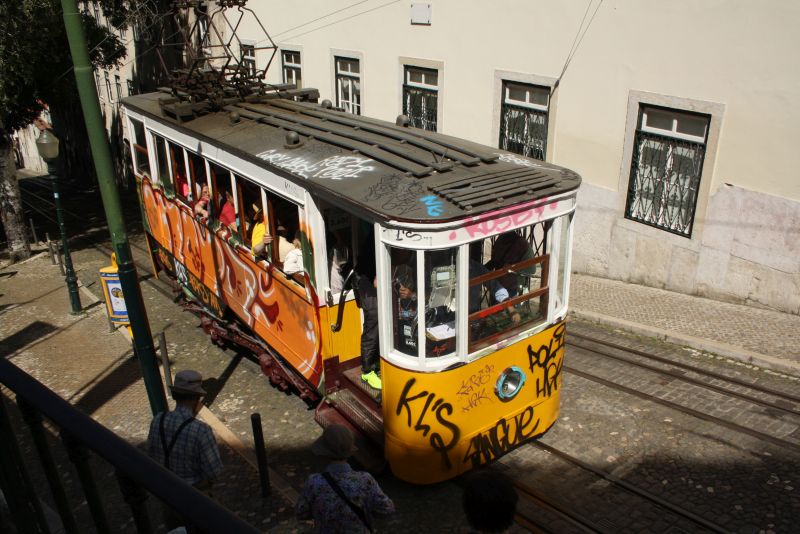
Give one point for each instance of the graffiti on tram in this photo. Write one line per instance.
(223, 276)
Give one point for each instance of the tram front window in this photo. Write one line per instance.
(507, 284)
(404, 300)
(439, 306)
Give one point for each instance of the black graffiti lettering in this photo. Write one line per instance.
(420, 426)
(405, 400)
(546, 359)
(504, 436)
(474, 399)
(433, 407)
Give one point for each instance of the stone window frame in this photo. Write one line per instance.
(296, 66)
(715, 110)
(501, 76)
(433, 64)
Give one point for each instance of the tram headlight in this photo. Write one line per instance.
(510, 383)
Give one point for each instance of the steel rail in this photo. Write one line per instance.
(676, 374)
(689, 411)
(627, 486)
(543, 501)
(786, 396)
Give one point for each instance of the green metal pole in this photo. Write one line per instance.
(71, 278)
(101, 153)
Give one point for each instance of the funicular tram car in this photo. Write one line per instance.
(477, 240)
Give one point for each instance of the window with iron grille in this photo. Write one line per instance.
(666, 168)
(421, 97)
(291, 68)
(249, 58)
(523, 119)
(348, 84)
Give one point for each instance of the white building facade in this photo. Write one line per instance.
(681, 117)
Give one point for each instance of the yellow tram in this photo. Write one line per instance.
(467, 250)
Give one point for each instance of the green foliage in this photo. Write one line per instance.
(35, 63)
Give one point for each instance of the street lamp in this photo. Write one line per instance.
(47, 145)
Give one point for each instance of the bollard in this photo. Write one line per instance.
(33, 233)
(50, 248)
(162, 350)
(261, 454)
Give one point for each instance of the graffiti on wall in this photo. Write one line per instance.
(473, 390)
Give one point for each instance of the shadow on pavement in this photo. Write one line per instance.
(22, 338)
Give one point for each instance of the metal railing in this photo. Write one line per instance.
(665, 177)
(136, 473)
(420, 106)
(523, 131)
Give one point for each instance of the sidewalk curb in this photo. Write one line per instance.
(707, 345)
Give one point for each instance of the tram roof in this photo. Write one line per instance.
(401, 173)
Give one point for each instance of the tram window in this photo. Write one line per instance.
(201, 194)
(251, 209)
(224, 207)
(163, 165)
(507, 283)
(339, 228)
(404, 300)
(141, 162)
(441, 299)
(285, 225)
(179, 175)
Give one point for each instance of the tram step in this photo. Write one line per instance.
(354, 376)
(368, 453)
(348, 404)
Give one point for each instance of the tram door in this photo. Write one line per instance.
(350, 244)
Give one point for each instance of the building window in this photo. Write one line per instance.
(523, 119)
(291, 68)
(97, 82)
(666, 167)
(421, 97)
(249, 58)
(348, 84)
(118, 84)
(108, 87)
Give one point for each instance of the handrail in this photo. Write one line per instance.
(204, 512)
(346, 286)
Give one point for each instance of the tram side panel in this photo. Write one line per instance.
(204, 262)
(426, 414)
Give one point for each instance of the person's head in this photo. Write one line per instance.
(336, 443)
(489, 500)
(187, 389)
(204, 191)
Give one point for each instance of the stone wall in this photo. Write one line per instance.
(745, 250)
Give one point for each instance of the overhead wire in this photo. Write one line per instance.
(342, 20)
(576, 42)
(320, 18)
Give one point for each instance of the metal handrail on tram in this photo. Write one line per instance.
(130, 462)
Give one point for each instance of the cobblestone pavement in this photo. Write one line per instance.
(744, 332)
(734, 480)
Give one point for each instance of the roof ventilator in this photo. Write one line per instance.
(402, 120)
(293, 140)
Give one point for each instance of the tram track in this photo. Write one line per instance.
(730, 425)
(782, 396)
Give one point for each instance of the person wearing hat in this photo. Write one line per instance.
(183, 444)
(340, 499)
